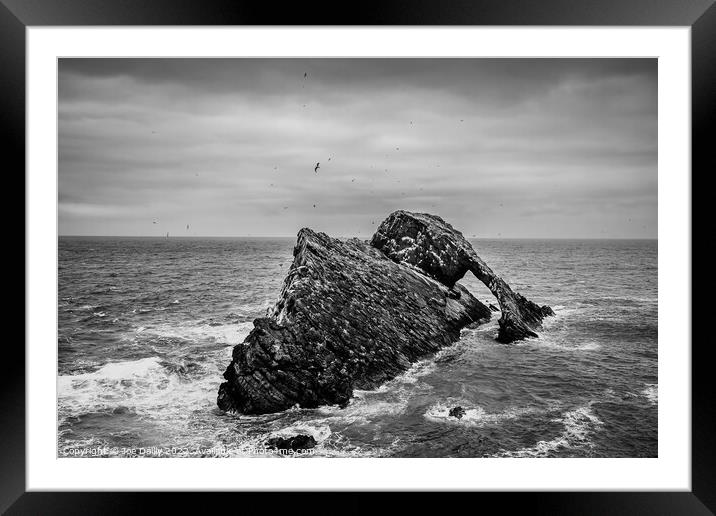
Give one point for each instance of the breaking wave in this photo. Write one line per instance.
(579, 425)
(474, 416)
(144, 386)
(651, 393)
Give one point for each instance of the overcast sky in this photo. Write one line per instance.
(505, 148)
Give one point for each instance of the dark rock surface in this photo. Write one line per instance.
(457, 412)
(347, 318)
(431, 244)
(353, 315)
(297, 442)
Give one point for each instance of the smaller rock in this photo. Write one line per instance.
(297, 442)
(457, 412)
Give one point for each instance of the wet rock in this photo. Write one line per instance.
(457, 412)
(429, 243)
(297, 442)
(353, 315)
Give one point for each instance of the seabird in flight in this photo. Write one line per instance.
(318, 165)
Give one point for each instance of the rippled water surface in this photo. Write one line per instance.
(146, 327)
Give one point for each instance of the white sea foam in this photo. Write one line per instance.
(337, 445)
(413, 374)
(320, 432)
(409, 377)
(561, 312)
(366, 409)
(227, 333)
(474, 415)
(551, 342)
(143, 386)
(110, 385)
(370, 406)
(579, 425)
(651, 393)
(390, 399)
(328, 443)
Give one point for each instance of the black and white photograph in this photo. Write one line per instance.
(292, 258)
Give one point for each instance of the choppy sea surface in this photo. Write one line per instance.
(146, 328)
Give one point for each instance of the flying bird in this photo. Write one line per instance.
(318, 165)
(305, 74)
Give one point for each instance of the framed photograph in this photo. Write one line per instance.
(441, 249)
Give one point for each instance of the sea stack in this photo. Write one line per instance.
(432, 245)
(355, 314)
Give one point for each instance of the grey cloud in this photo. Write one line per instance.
(521, 148)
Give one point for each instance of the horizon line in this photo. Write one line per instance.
(354, 236)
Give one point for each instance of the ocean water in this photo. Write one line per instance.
(146, 328)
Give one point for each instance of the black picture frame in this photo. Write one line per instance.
(700, 15)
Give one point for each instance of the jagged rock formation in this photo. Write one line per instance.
(353, 314)
(295, 443)
(457, 412)
(431, 244)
